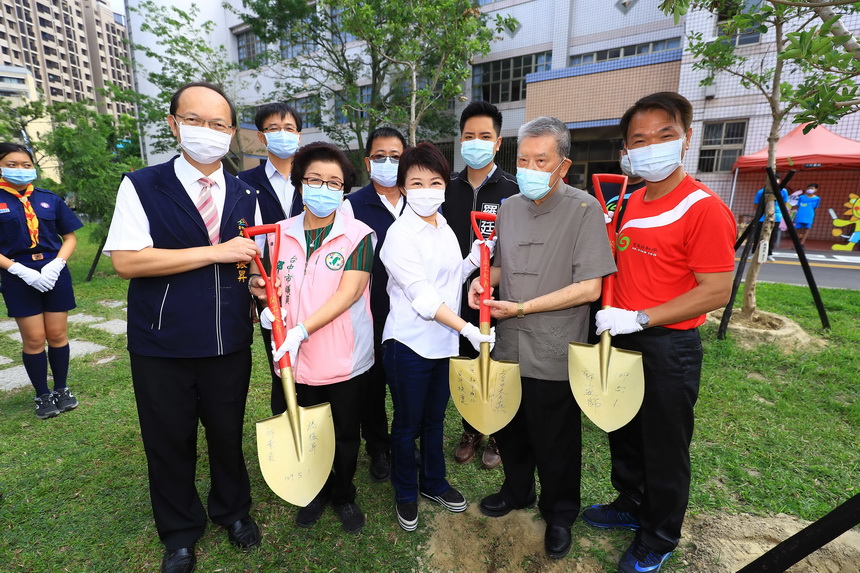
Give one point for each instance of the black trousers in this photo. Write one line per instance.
(651, 454)
(172, 394)
(345, 398)
(545, 434)
(374, 420)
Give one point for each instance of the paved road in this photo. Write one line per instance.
(831, 269)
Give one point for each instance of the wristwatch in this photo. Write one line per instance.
(642, 319)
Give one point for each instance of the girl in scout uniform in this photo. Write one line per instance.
(38, 236)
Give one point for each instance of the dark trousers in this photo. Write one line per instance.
(374, 421)
(345, 399)
(419, 392)
(545, 434)
(172, 394)
(468, 351)
(277, 400)
(651, 454)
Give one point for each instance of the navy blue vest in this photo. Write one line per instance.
(195, 314)
(271, 209)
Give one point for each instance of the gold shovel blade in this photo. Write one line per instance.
(296, 466)
(488, 407)
(612, 399)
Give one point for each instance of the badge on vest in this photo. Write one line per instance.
(334, 261)
(44, 205)
(4, 208)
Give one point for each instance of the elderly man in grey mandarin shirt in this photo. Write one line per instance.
(551, 255)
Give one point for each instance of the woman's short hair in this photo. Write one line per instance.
(6, 148)
(325, 152)
(425, 155)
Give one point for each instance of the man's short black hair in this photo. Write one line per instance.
(380, 132)
(482, 108)
(673, 103)
(424, 155)
(279, 108)
(174, 99)
(325, 152)
(813, 185)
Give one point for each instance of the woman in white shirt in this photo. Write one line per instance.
(422, 258)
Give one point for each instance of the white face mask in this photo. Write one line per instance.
(626, 168)
(384, 173)
(657, 161)
(425, 202)
(202, 144)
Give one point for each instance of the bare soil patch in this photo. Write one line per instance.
(767, 327)
(721, 543)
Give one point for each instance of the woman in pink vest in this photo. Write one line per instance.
(426, 273)
(323, 264)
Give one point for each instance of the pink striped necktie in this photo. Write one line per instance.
(206, 206)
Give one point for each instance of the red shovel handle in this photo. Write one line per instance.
(484, 313)
(596, 179)
(278, 332)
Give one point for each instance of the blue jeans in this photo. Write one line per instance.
(419, 392)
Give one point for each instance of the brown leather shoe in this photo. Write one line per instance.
(468, 444)
(491, 458)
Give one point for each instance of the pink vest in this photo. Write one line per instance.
(343, 348)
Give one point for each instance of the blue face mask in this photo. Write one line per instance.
(19, 176)
(534, 184)
(384, 173)
(321, 201)
(477, 153)
(282, 144)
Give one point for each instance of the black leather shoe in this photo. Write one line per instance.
(494, 505)
(380, 469)
(180, 560)
(244, 533)
(556, 541)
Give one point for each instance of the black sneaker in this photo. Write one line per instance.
(639, 558)
(351, 517)
(608, 517)
(64, 400)
(380, 468)
(311, 513)
(407, 515)
(452, 500)
(45, 407)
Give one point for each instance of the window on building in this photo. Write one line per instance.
(290, 50)
(309, 110)
(741, 37)
(625, 52)
(251, 49)
(722, 144)
(485, 2)
(505, 80)
(340, 36)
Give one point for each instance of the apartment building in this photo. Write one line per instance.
(18, 85)
(71, 47)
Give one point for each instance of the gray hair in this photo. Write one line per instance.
(546, 125)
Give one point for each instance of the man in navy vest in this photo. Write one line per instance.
(279, 128)
(176, 234)
(378, 204)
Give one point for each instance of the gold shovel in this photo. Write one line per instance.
(296, 447)
(487, 392)
(608, 383)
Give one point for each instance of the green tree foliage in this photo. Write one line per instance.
(15, 120)
(93, 152)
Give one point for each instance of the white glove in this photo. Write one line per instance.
(30, 276)
(50, 274)
(266, 318)
(607, 217)
(475, 253)
(474, 336)
(294, 339)
(617, 321)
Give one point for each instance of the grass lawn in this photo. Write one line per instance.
(775, 433)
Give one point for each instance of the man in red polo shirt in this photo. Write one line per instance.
(675, 263)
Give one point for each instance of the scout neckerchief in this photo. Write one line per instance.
(32, 220)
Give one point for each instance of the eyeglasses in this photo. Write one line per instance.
(382, 158)
(316, 183)
(194, 121)
(274, 128)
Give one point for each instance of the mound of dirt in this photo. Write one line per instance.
(471, 543)
(766, 327)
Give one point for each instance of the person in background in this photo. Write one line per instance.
(481, 186)
(38, 238)
(426, 273)
(775, 232)
(279, 128)
(378, 204)
(675, 257)
(176, 233)
(323, 266)
(552, 255)
(807, 203)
